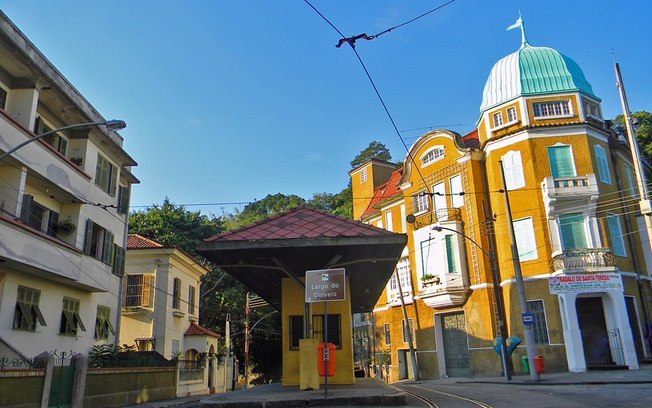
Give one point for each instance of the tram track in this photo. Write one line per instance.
(440, 403)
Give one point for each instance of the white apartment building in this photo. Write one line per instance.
(64, 200)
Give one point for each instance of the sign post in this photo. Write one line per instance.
(325, 285)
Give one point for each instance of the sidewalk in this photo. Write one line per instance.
(641, 376)
(372, 392)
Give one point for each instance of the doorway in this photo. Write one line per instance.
(602, 347)
(456, 347)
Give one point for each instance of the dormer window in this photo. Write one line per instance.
(363, 175)
(591, 109)
(432, 155)
(550, 109)
(498, 119)
(511, 115)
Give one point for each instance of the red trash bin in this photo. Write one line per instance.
(538, 364)
(330, 357)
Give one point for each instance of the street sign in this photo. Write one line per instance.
(528, 318)
(325, 285)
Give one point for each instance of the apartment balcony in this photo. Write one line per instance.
(30, 251)
(442, 296)
(583, 260)
(432, 217)
(569, 191)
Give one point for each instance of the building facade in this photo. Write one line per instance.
(582, 245)
(64, 200)
(160, 311)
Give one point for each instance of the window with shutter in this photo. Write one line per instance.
(526, 243)
(573, 231)
(616, 233)
(70, 318)
(513, 168)
(450, 254)
(27, 312)
(603, 164)
(176, 294)
(148, 291)
(561, 161)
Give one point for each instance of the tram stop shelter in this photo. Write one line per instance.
(271, 258)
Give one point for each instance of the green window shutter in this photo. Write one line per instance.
(88, 238)
(53, 223)
(450, 254)
(603, 165)
(573, 232)
(561, 161)
(118, 260)
(616, 233)
(107, 247)
(26, 209)
(123, 200)
(113, 179)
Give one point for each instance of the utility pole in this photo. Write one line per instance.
(518, 276)
(498, 294)
(644, 203)
(246, 345)
(408, 334)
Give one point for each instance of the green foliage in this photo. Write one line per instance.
(375, 150)
(643, 131)
(339, 204)
(261, 209)
(102, 355)
(174, 226)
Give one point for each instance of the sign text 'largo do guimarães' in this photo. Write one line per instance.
(325, 285)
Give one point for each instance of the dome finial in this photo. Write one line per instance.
(520, 24)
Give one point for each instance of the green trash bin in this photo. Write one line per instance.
(525, 364)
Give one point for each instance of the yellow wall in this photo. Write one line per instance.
(292, 301)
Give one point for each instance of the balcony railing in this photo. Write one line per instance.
(585, 258)
(440, 214)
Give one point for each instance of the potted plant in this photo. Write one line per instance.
(66, 226)
(429, 279)
(77, 160)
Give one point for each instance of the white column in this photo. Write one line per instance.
(618, 319)
(572, 334)
(21, 106)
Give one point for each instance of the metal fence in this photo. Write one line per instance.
(190, 370)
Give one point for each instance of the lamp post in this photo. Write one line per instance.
(111, 124)
(497, 295)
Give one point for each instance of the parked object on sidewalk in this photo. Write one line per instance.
(538, 364)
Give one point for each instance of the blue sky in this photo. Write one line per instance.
(227, 101)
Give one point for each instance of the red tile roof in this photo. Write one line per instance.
(384, 192)
(196, 330)
(135, 241)
(300, 223)
(471, 139)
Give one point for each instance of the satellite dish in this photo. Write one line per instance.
(410, 218)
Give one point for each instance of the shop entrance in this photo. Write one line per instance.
(602, 347)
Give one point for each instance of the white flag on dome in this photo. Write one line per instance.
(517, 24)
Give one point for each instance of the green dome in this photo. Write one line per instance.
(533, 71)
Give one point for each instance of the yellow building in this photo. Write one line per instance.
(578, 230)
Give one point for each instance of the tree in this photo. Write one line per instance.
(261, 209)
(643, 130)
(375, 150)
(339, 204)
(174, 226)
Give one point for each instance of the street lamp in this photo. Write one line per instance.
(497, 294)
(110, 124)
